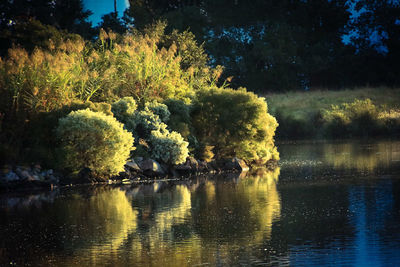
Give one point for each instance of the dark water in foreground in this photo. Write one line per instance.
(328, 205)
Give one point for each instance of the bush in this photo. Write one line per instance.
(94, 140)
(159, 109)
(236, 123)
(150, 131)
(360, 118)
(179, 120)
(169, 147)
(124, 110)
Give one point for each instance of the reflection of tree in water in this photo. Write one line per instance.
(232, 216)
(100, 216)
(160, 224)
(362, 157)
(312, 160)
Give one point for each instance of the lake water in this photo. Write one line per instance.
(329, 204)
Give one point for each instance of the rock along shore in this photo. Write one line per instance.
(136, 169)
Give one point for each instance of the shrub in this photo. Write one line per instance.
(360, 118)
(169, 147)
(145, 122)
(94, 140)
(391, 121)
(124, 110)
(236, 123)
(150, 131)
(179, 120)
(204, 152)
(159, 109)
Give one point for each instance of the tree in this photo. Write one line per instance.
(258, 41)
(17, 16)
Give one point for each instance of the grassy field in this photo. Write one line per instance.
(295, 110)
(302, 104)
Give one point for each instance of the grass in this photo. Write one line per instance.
(304, 114)
(302, 104)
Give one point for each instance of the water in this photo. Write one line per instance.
(328, 205)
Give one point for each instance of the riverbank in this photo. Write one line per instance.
(306, 115)
(136, 170)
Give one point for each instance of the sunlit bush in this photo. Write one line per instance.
(360, 118)
(159, 109)
(94, 140)
(236, 123)
(391, 121)
(150, 131)
(169, 147)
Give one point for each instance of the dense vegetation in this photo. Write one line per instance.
(274, 45)
(66, 104)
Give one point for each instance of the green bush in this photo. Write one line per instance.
(124, 110)
(149, 128)
(236, 123)
(170, 147)
(360, 118)
(94, 140)
(179, 120)
(159, 109)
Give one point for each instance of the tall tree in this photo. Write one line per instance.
(265, 45)
(17, 16)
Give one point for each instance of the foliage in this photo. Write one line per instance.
(159, 109)
(300, 113)
(298, 41)
(94, 140)
(179, 119)
(64, 70)
(170, 147)
(204, 152)
(149, 127)
(236, 123)
(123, 110)
(359, 118)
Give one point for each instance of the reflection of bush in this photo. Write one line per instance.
(165, 225)
(246, 210)
(361, 157)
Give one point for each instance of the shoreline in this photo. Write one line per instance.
(34, 178)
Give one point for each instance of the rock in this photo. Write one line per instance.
(151, 167)
(11, 176)
(36, 178)
(24, 174)
(133, 166)
(36, 169)
(47, 173)
(236, 164)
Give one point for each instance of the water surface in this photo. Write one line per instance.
(329, 204)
